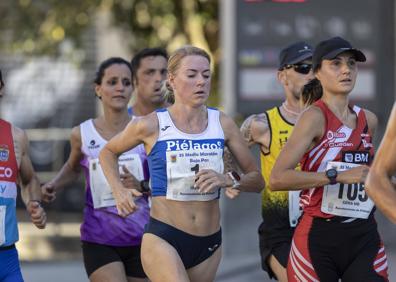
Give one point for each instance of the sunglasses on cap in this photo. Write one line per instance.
(300, 68)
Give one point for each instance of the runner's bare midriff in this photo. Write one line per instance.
(194, 217)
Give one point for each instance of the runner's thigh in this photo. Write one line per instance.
(371, 263)
(160, 260)
(206, 270)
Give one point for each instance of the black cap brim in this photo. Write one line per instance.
(359, 56)
(302, 57)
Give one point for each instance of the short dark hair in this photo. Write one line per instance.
(146, 52)
(107, 63)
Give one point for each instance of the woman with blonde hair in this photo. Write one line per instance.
(184, 145)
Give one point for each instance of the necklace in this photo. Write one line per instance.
(288, 110)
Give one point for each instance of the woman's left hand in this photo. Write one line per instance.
(207, 180)
(232, 193)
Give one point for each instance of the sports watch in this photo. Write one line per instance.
(145, 186)
(235, 179)
(332, 175)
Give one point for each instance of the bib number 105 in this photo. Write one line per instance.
(353, 191)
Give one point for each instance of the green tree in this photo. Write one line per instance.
(170, 24)
(39, 26)
(33, 27)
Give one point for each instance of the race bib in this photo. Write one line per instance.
(349, 200)
(102, 195)
(294, 207)
(181, 169)
(2, 224)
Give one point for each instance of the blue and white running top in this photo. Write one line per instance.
(177, 156)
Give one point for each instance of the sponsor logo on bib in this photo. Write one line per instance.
(182, 145)
(356, 157)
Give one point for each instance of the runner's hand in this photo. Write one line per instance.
(125, 200)
(128, 180)
(232, 193)
(48, 192)
(353, 175)
(207, 180)
(37, 214)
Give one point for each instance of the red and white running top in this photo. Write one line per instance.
(339, 143)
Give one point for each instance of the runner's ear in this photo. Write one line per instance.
(282, 77)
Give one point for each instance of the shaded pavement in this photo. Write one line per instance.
(241, 261)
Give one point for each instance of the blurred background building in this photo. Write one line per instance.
(49, 51)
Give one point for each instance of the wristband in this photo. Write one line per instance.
(145, 186)
(235, 179)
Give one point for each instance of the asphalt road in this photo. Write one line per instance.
(241, 262)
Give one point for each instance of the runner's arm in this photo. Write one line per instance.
(251, 180)
(284, 176)
(255, 130)
(69, 172)
(139, 130)
(379, 185)
(28, 180)
(72, 168)
(372, 122)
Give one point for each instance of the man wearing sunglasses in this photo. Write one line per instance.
(270, 130)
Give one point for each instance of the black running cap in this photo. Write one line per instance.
(331, 48)
(294, 53)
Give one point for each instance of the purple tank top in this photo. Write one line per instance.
(104, 225)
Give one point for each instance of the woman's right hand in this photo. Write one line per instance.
(125, 200)
(353, 175)
(129, 180)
